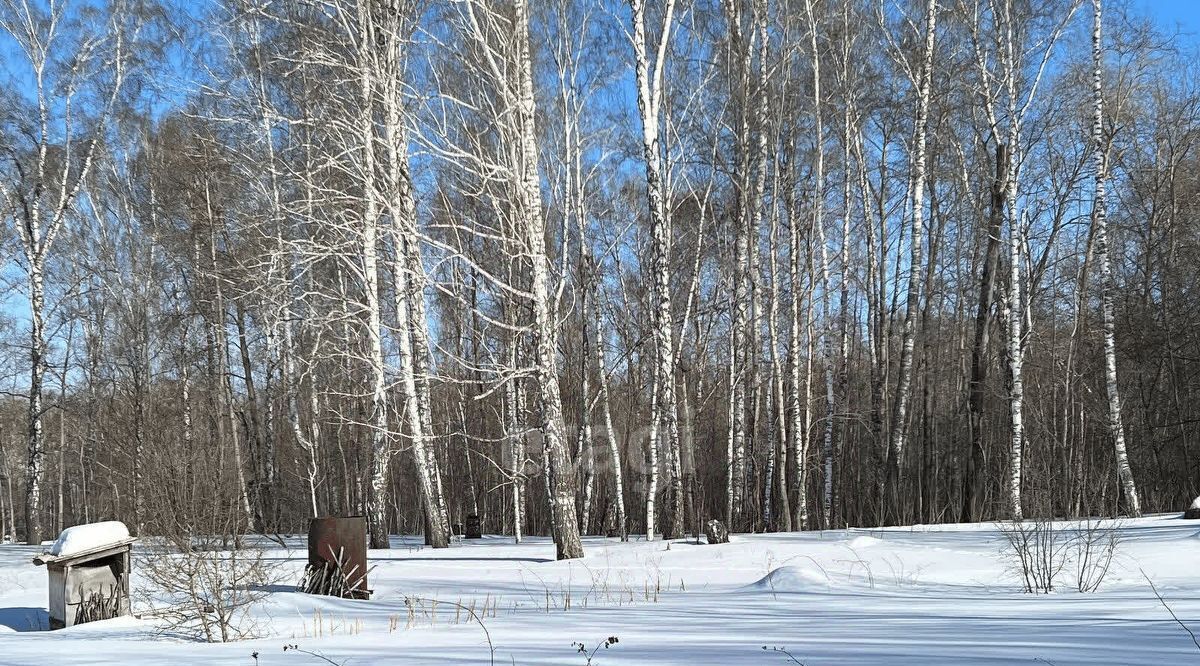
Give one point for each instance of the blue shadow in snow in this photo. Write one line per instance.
(25, 618)
(534, 560)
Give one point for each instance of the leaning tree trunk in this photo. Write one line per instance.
(973, 480)
(419, 338)
(904, 382)
(428, 487)
(1107, 286)
(412, 348)
(584, 447)
(545, 334)
(614, 450)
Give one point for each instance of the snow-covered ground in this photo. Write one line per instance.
(918, 595)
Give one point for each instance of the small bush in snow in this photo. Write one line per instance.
(202, 591)
(1040, 553)
(1094, 546)
(1036, 552)
(590, 654)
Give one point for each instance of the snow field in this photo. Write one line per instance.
(912, 595)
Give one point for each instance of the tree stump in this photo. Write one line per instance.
(716, 532)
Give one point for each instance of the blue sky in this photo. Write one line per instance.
(1172, 13)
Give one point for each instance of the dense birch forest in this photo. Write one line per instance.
(594, 266)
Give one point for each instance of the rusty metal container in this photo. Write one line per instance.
(474, 529)
(337, 557)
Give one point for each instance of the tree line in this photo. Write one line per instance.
(595, 266)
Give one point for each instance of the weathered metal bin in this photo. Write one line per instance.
(474, 527)
(337, 557)
(88, 585)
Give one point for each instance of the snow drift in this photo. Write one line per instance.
(793, 579)
(864, 542)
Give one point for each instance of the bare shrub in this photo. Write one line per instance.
(1094, 545)
(1036, 552)
(1040, 554)
(203, 591)
(203, 574)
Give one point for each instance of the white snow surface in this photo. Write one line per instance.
(911, 595)
(88, 536)
(794, 579)
(1196, 503)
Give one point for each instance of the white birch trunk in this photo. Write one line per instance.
(419, 340)
(652, 456)
(818, 222)
(1016, 308)
(584, 448)
(368, 247)
(847, 204)
(796, 357)
(649, 100)
(516, 449)
(917, 231)
(742, 292)
(545, 330)
(1016, 353)
(35, 458)
(407, 282)
(778, 412)
(614, 450)
(1103, 252)
(731, 438)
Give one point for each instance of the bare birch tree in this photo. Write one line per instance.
(649, 78)
(919, 157)
(67, 57)
(1100, 230)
